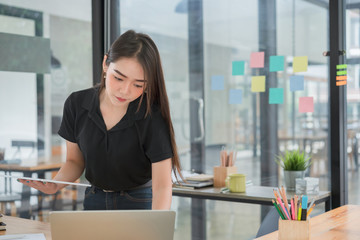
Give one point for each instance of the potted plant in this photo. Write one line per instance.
(294, 164)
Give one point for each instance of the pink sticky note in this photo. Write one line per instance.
(306, 104)
(257, 60)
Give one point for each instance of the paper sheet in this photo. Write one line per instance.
(235, 96)
(257, 59)
(306, 104)
(276, 63)
(36, 236)
(276, 96)
(238, 68)
(217, 82)
(258, 84)
(300, 64)
(296, 83)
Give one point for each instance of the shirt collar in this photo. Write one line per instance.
(92, 104)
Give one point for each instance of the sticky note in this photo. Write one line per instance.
(276, 95)
(276, 63)
(300, 64)
(257, 60)
(343, 72)
(306, 104)
(341, 83)
(238, 68)
(296, 83)
(341, 78)
(258, 84)
(217, 82)
(341, 66)
(235, 96)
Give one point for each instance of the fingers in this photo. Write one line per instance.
(31, 183)
(45, 187)
(38, 184)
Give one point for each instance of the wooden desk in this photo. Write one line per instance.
(16, 225)
(28, 167)
(304, 140)
(339, 223)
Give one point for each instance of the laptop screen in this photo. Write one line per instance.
(113, 224)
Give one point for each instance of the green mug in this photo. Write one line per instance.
(236, 182)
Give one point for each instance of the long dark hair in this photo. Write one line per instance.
(140, 46)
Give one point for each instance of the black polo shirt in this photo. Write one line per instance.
(119, 158)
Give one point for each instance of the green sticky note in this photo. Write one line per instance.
(341, 66)
(238, 68)
(344, 72)
(276, 96)
(276, 63)
(300, 64)
(258, 84)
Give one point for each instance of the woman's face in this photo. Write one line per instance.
(124, 81)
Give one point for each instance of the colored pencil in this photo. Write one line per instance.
(292, 209)
(312, 207)
(295, 206)
(312, 202)
(283, 193)
(283, 208)
(277, 208)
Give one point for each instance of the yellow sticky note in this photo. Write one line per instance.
(300, 64)
(258, 84)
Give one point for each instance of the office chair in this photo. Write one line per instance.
(8, 197)
(22, 143)
(270, 223)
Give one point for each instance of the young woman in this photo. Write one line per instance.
(120, 132)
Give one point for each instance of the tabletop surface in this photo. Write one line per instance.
(339, 223)
(54, 162)
(15, 225)
(261, 193)
(304, 137)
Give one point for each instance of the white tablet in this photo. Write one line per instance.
(46, 180)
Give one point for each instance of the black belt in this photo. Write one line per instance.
(145, 185)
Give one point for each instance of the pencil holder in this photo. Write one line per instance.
(294, 230)
(221, 173)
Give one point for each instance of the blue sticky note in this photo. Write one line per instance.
(217, 82)
(238, 68)
(276, 63)
(296, 83)
(235, 96)
(276, 96)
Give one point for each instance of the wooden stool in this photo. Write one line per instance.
(9, 199)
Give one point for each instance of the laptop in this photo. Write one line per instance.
(113, 224)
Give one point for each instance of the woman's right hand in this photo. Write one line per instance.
(45, 187)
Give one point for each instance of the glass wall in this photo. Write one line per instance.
(48, 55)
(232, 33)
(237, 107)
(167, 24)
(67, 29)
(353, 96)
